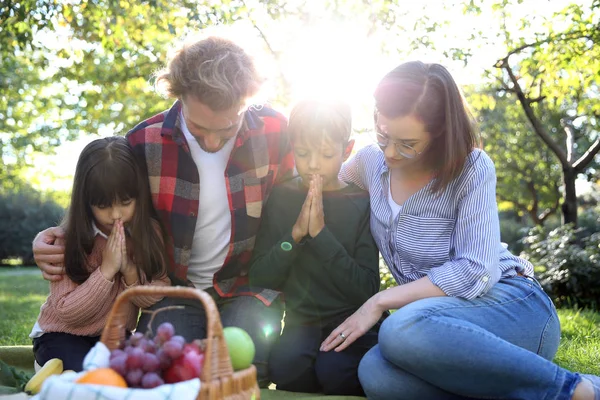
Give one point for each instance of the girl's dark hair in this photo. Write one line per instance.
(107, 172)
(428, 93)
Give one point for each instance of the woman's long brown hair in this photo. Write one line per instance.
(428, 93)
(107, 172)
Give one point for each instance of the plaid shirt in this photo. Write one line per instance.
(261, 156)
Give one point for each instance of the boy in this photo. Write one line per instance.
(315, 245)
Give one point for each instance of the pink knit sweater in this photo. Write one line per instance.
(82, 309)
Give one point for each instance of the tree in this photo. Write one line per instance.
(556, 74)
(548, 66)
(77, 68)
(527, 173)
(83, 68)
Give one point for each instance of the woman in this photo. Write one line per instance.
(470, 320)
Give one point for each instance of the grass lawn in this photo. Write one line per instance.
(22, 291)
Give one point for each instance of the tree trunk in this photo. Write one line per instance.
(569, 205)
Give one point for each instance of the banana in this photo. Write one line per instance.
(52, 367)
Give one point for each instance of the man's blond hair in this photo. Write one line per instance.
(216, 71)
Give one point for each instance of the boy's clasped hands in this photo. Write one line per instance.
(115, 258)
(311, 220)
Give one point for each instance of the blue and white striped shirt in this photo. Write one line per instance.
(452, 237)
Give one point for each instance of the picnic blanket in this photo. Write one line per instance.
(21, 359)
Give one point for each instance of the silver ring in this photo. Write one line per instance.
(343, 336)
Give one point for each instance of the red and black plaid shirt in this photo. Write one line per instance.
(260, 157)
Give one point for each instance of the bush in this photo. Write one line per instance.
(387, 279)
(589, 219)
(512, 233)
(22, 216)
(512, 229)
(570, 263)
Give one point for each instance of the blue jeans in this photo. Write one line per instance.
(71, 349)
(262, 323)
(497, 346)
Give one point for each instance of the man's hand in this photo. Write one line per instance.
(317, 217)
(300, 228)
(49, 253)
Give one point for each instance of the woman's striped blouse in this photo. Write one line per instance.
(453, 237)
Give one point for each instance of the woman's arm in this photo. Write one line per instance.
(369, 313)
(475, 266)
(353, 170)
(399, 296)
(472, 271)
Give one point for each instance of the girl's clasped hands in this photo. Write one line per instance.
(115, 258)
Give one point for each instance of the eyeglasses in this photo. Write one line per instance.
(401, 149)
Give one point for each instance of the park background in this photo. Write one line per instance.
(72, 71)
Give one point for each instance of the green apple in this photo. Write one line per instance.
(240, 347)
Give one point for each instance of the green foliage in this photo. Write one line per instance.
(83, 68)
(546, 83)
(387, 279)
(528, 174)
(22, 292)
(580, 341)
(11, 377)
(22, 216)
(589, 219)
(512, 230)
(570, 261)
(554, 76)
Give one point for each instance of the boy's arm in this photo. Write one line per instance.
(273, 255)
(356, 275)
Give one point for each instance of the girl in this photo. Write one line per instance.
(470, 320)
(113, 241)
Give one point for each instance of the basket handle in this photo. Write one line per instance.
(217, 363)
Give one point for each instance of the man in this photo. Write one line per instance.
(211, 163)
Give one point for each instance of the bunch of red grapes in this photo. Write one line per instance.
(147, 363)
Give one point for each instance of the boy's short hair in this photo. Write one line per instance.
(312, 119)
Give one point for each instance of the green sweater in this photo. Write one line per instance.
(325, 278)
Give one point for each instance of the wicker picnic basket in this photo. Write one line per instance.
(219, 381)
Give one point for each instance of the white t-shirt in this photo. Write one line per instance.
(396, 208)
(213, 226)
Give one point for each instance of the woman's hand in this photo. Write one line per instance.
(114, 254)
(300, 228)
(49, 253)
(317, 217)
(353, 327)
